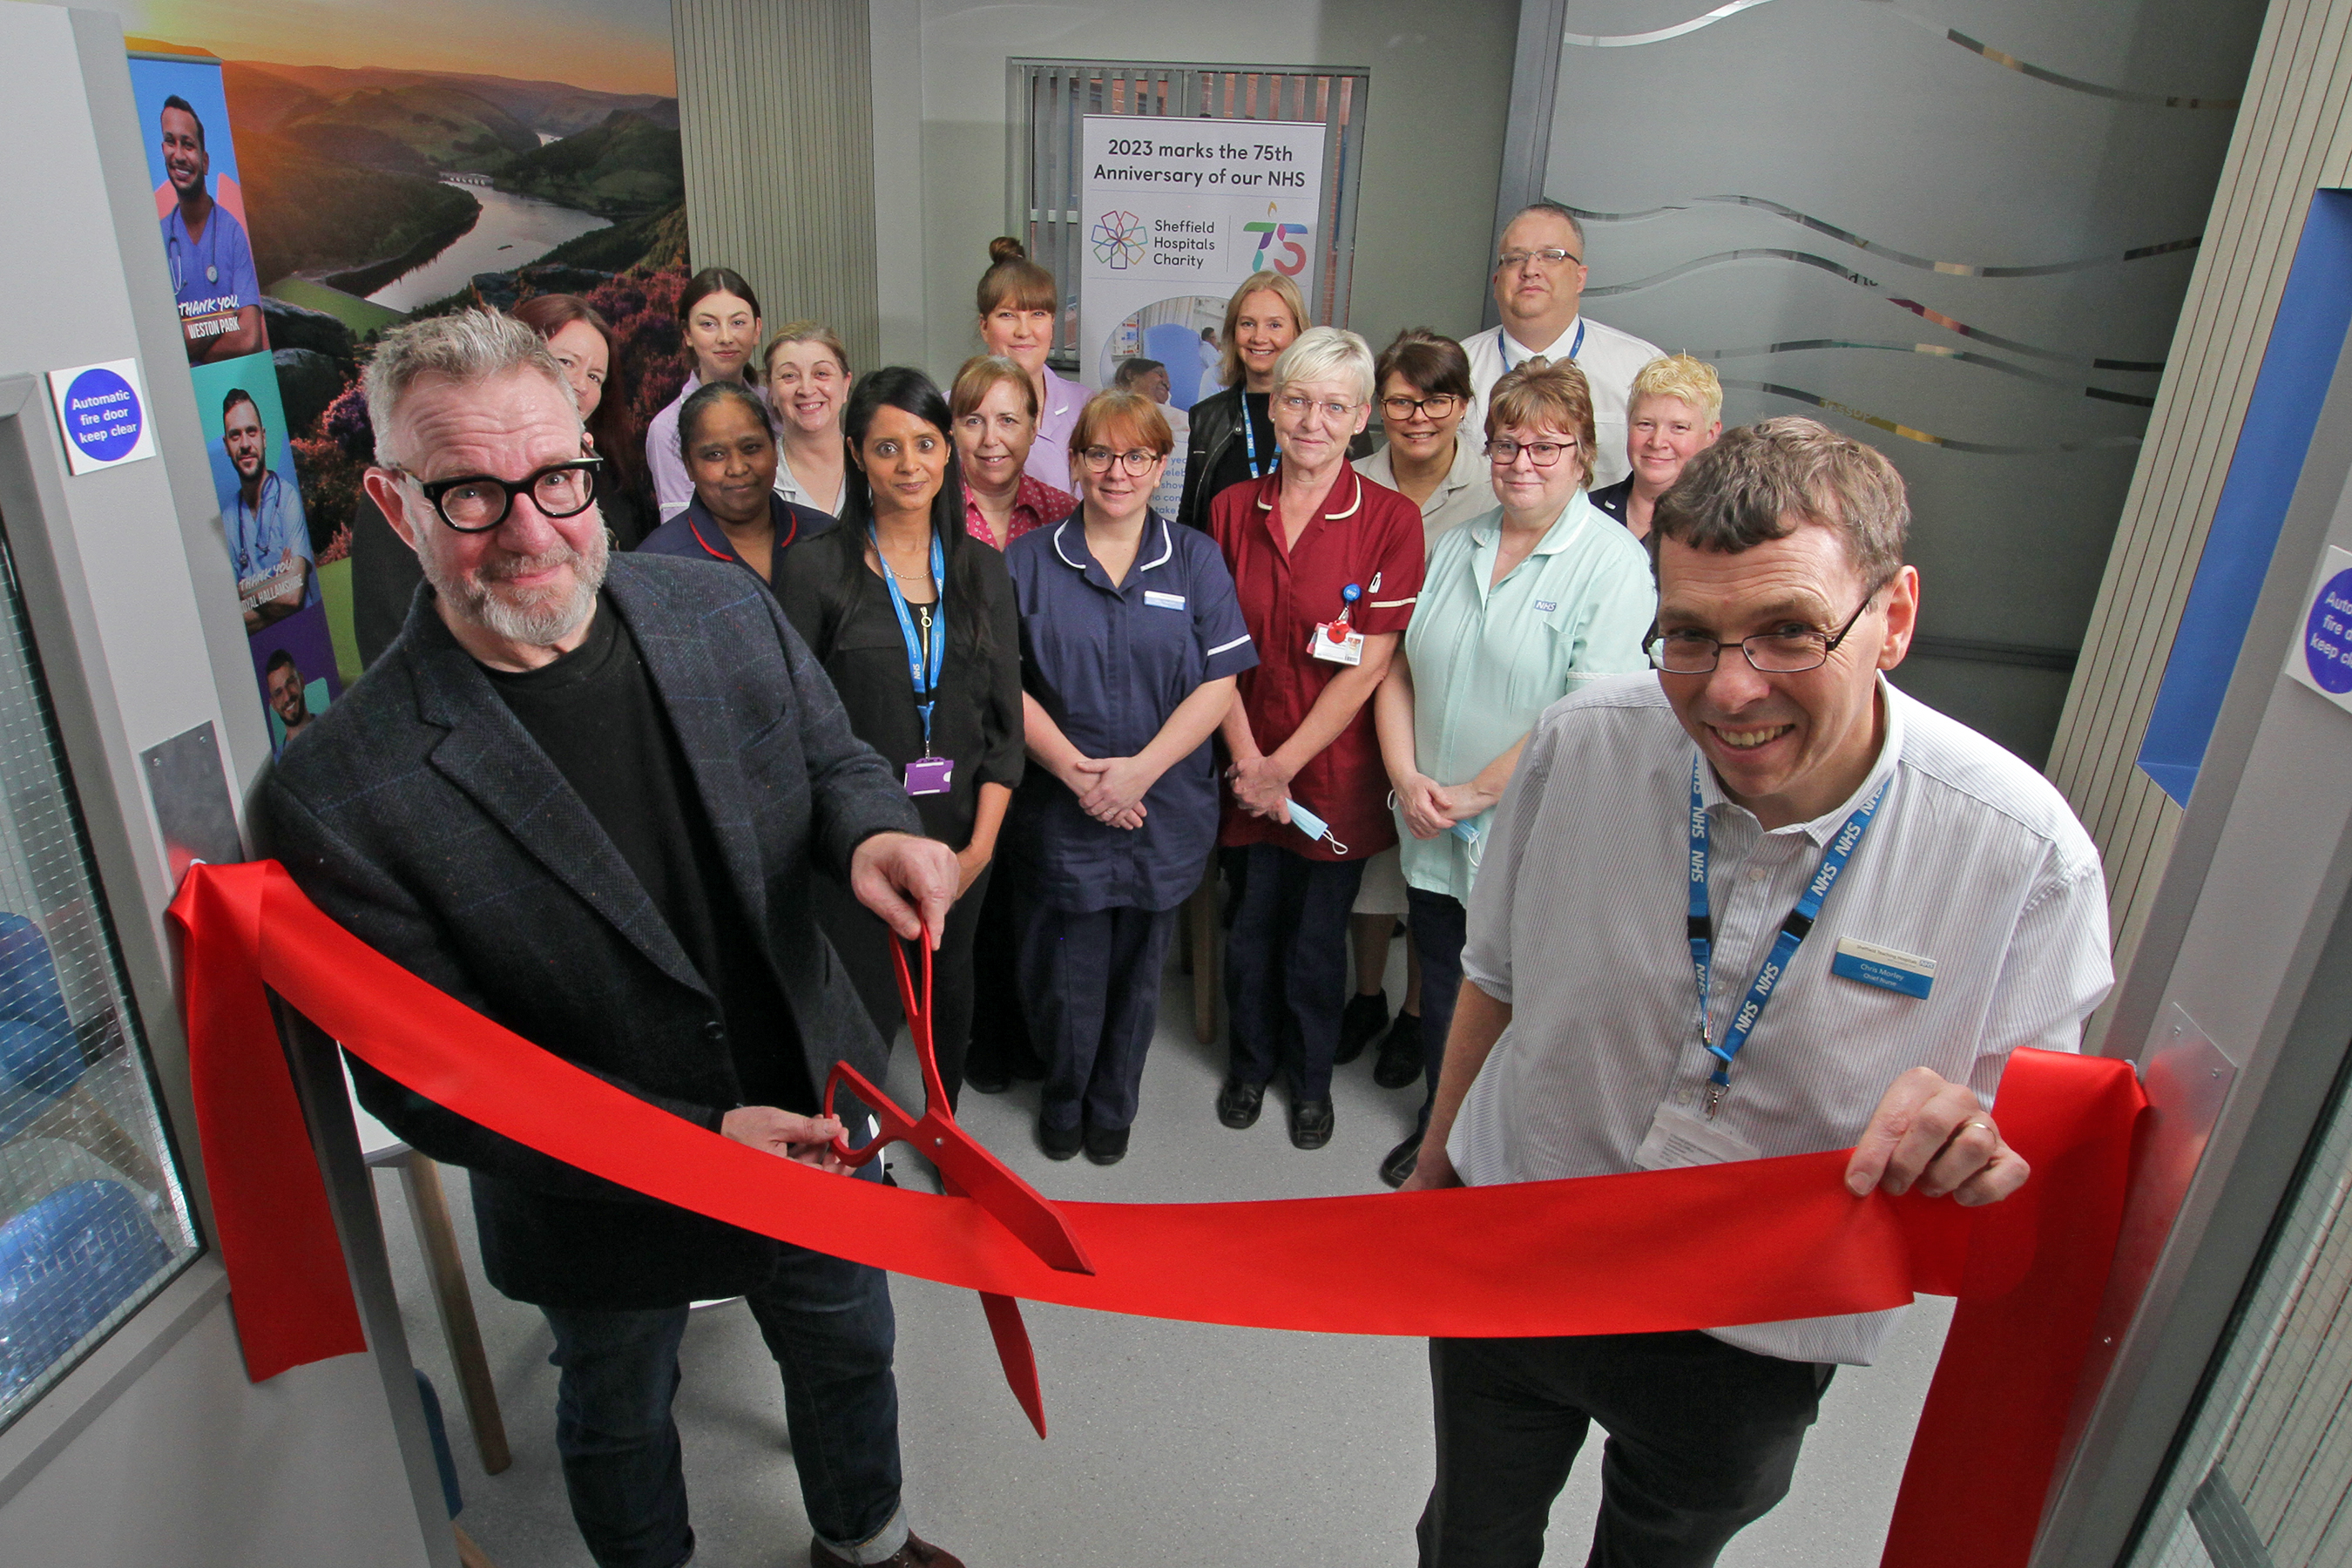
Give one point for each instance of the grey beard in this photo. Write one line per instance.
(541, 624)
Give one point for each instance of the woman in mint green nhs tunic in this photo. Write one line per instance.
(1518, 608)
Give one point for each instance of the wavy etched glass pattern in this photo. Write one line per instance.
(1949, 34)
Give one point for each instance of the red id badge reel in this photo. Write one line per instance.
(1337, 641)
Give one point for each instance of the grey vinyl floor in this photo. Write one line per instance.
(1172, 1444)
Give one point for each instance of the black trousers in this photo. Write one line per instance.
(863, 941)
(1287, 963)
(1703, 1437)
(1000, 1029)
(1092, 984)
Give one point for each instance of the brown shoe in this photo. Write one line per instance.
(917, 1553)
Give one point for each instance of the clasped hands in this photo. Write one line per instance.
(1111, 789)
(1431, 808)
(1261, 787)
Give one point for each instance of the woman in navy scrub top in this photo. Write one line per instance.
(900, 587)
(727, 436)
(1131, 641)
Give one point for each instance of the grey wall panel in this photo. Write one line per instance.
(1975, 269)
(2292, 136)
(776, 118)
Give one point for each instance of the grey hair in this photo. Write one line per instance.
(1327, 353)
(468, 348)
(1764, 481)
(1557, 209)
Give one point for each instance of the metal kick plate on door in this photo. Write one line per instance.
(187, 789)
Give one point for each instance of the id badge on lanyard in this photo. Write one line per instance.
(1337, 640)
(926, 774)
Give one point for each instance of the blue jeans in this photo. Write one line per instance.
(1287, 963)
(1440, 927)
(829, 1325)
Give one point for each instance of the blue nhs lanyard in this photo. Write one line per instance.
(1502, 342)
(927, 681)
(1793, 929)
(1249, 433)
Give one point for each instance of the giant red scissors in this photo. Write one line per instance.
(964, 1168)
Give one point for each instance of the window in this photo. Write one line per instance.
(93, 1212)
(1051, 98)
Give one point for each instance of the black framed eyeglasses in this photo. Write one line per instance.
(1402, 408)
(1542, 454)
(475, 503)
(1137, 462)
(1789, 652)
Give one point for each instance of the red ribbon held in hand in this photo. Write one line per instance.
(1650, 1252)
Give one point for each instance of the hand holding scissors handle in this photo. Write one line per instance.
(963, 1165)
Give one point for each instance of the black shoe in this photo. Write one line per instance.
(1400, 1161)
(1238, 1103)
(1107, 1145)
(1059, 1142)
(987, 1079)
(1310, 1124)
(1365, 1017)
(1400, 1061)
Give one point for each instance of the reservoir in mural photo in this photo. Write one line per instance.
(378, 192)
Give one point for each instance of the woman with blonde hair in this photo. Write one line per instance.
(1327, 565)
(808, 382)
(1673, 412)
(1535, 600)
(1233, 437)
(993, 404)
(1019, 304)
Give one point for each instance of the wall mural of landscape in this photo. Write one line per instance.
(406, 160)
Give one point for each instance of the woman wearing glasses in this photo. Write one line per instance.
(1535, 600)
(913, 620)
(1131, 639)
(1424, 382)
(725, 433)
(1327, 564)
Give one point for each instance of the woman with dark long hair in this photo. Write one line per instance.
(720, 317)
(914, 621)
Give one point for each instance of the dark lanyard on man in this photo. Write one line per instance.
(925, 672)
(1502, 346)
(1793, 931)
(1249, 434)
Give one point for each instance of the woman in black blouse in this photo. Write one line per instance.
(908, 612)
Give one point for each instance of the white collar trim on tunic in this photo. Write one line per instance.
(1355, 504)
(1167, 545)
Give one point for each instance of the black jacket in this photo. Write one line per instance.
(422, 816)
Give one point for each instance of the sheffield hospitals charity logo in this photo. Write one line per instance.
(1118, 240)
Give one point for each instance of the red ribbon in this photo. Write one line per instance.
(1757, 1242)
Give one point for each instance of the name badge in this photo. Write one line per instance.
(1904, 972)
(929, 776)
(1339, 644)
(1683, 1137)
(1546, 606)
(1163, 601)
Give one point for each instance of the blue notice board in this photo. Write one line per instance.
(2314, 315)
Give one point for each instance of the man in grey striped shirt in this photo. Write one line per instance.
(1882, 903)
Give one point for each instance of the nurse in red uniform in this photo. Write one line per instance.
(1328, 564)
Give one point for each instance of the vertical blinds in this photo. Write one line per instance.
(1043, 177)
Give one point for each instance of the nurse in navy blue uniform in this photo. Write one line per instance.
(1131, 640)
(728, 438)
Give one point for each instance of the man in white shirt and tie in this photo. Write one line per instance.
(1540, 287)
(1758, 903)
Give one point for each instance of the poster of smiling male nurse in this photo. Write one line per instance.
(192, 159)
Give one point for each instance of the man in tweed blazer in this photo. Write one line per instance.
(587, 797)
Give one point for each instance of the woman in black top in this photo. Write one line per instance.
(902, 528)
(1232, 436)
